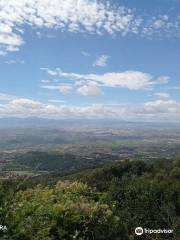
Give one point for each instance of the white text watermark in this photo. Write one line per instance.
(139, 231)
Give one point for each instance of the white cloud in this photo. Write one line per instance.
(45, 81)
(71, 15)
(162, 25)
(6, 97)
(26, 107)
(63, 88)
(90, 16)
(89, 90)
(159, 110)
(101, 61)
(40, 35)
(10, 39)
(133, 80)
(51, 72)
(162, 95)
(23, 103)
(17, 61)
(163, 79)
(162, 106)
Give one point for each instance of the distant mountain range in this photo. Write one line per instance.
(112, 123)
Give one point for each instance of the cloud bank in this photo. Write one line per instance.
(163, 110)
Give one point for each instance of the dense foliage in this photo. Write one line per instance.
(105, 203)
(34, 161)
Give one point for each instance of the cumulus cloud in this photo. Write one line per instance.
(159, 110)
(89, 90)
(101, 61)
(132, 80)
(90, 16)
(162, 106)
(26, 103)
(27, 107)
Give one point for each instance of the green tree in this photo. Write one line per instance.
(67, 211)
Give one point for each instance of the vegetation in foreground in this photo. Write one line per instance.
(105, 203)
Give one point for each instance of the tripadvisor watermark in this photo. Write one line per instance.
(139, 231)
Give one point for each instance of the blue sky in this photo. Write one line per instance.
(90, 59)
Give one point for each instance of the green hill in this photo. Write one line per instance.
(104, 203)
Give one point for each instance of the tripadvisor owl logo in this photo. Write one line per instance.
(139, 231)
